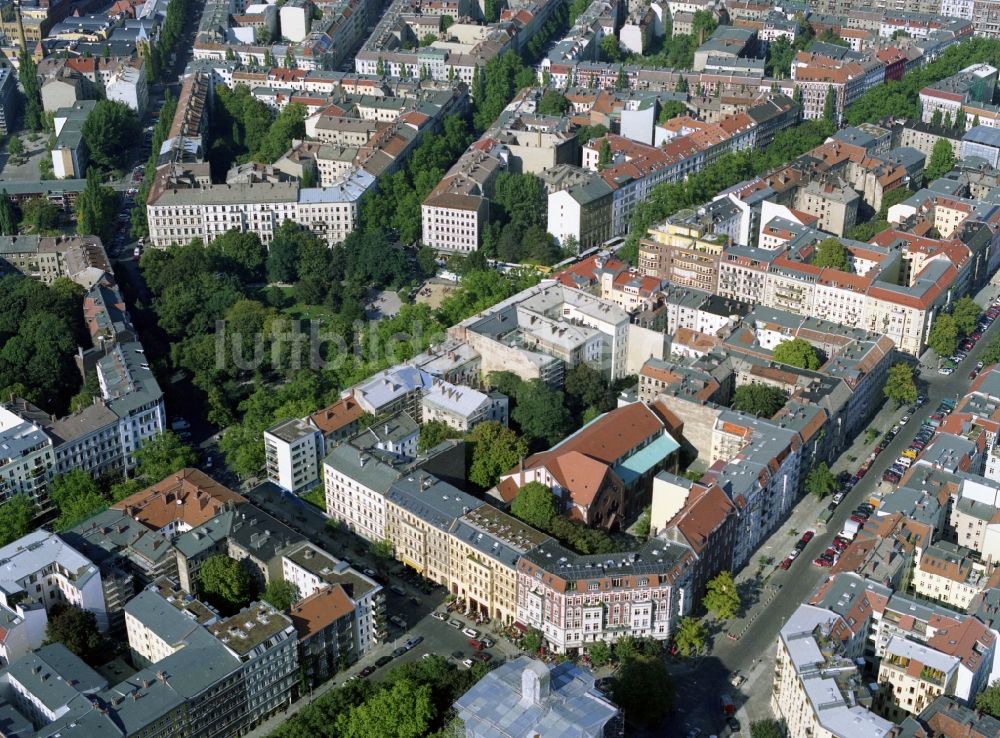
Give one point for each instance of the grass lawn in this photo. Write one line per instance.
(316, 497)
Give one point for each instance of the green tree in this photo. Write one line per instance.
(76, 629)
(541, 413)
(899, 385)
(226, 583)
(289, 124)
(966, 313)
(535, 505)
(76, 497)
(553, 102)
(403, 710)
(8, 217)
(496, 450)
(15, 147)
(690, 637)
(281, 593)
(644, 690)
(109, 132)
(941, 162)
(943, 338)
(721, 596)
(761, 400)
(780, 53)
(890, 198)
(383, 550)
(831, 252)
(604, 155)
(283, 255)
(797, 352)
(243, 253)
(532, 641)
(768, 728)
(830, 106)
(27, 74)
(989, 700)
(610, 50)
(820, 481)
(936, 118)
(16, 515)
(671, 109)
(599, 654)
(703, 25)
(434, 432)
(161, 456)
(96, 208)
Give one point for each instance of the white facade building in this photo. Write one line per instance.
(293, 450)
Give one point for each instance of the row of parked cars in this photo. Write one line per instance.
(894, 473)
(969, 342)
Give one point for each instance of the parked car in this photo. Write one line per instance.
(438, 615)
(787, 562)
(471, 632)
(366, 672)
(820, 561)
(482, 657)
(457, 624)
(467, 663)
(837, 497)
(857, 519)
(398, 652)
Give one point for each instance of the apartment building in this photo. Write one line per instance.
(486, 545)
(818, 690)
(420, 512)
(684, 250)
(975, 85)
(945, 572)
(47, 258)
(27, 460)
(180, 208)
(912, 676)
(293, 450)
(245, 667)
(456, 210)
(575, 600)
(315, 572)
(542, 330)
(69, 155)
(9, 102)
(43, 571)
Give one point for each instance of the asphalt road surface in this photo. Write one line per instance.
(700, 682)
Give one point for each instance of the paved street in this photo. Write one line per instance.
(439, 637)
(702, 681)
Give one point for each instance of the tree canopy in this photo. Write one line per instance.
(96, 208)
(831, 252)
(761, 400)
(821, 481)
(966, 314)
(721, 596)
(644, 690)
(496, 450)
(16, 515)
(76, 497)
(281, 593)
(942, 160)
(899, 385)
(989, 700)
(797, 352)
(109, 133)
(535, 505)
(690, 636)
(161, 456)
(943, 338)
(76, 629)
(226, 583)
(553, 102)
